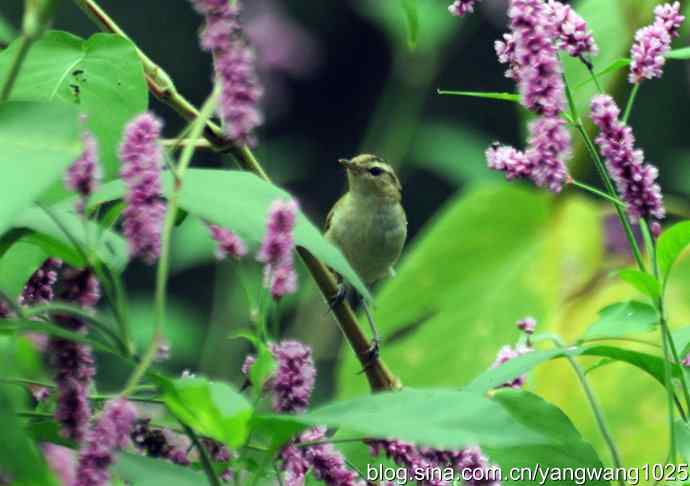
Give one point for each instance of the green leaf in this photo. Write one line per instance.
(650, 364)
(671, 244)
(17, 264)
(459, 419)
(103, 75)
(19, 455)
(39, 141)
(22, 326)
(262, 370)
(614, 66)
(240, 201)
(681, 54)
(642, 281)
(495, 377)
(210, 408)
(681, 338)
(412, 16)
(146, 471)
(111, 248)
(623, 318)
(514, 97)
(568, 448)
(682, 431)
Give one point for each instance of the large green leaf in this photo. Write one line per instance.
(17, 264)
(240, 201)
(103, 75)
(145, 471)
(671, 244)
(39, 141)
(210, 408)
(445, 419)
(568, 449)
(19, 455)
(623, 318)
(36, 226)
(412, 17)
(493, 256)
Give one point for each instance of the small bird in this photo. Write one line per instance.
(368, 223)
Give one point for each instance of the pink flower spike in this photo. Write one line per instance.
(635, 179)
(461, 7)
(653, 42)
(84, 175)
(574, 35)
(229, 244)
(142, 162)
(505, 354)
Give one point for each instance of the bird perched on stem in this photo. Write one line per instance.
(368, 223)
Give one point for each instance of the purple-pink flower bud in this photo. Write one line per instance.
(527, 324)
(294, 378)
(234, 65)
(109, 433)
(84, 175)
(574, 35)
(461, 7)
(142, 158)
(505, 354)
(229, 244)
(635, 179)
(277, 247)
(653, 42)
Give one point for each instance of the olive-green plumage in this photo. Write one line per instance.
(368, 223)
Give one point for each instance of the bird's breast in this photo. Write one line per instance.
(371, 235)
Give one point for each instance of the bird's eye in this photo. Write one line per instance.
(375, 171)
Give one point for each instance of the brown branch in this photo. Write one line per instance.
(163, 88)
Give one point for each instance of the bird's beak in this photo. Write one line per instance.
(345, 163)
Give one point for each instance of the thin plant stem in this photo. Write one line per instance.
(603, 172)
(95, 321)
(594, 76)
(25, 43)
(630, 103)
(25, 382)
(594, 404)
(163, 88)
(163, 262)
(597, 192)
(669, 391)
(211, 474)
(598, 414)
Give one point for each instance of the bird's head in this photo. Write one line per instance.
(368, 175)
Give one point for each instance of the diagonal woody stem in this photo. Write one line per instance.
(163, 88)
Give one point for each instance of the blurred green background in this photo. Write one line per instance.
(341, 79)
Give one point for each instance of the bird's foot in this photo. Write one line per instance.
(372, 355)
(338, 298)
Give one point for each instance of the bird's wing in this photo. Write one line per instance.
(329, 217)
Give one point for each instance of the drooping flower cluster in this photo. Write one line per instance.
(276, 250)
(40, 288)
(73, 362)
(461, 7)
(108, 434)
(294, 378)
(653, 42)
(234, 61)
(141, 157)
(505, 354)
(291, 386)
(84, 175)
(635, 179)
(156, 442)
(229, 244)
(469, 462)
(531, 52)
(574, 35)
